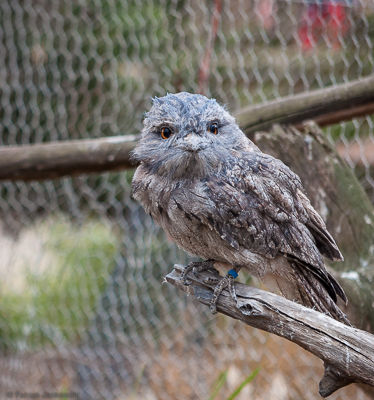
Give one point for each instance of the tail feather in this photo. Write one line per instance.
(338, 289)
(297, 283)
(329, 283)
(317, 296)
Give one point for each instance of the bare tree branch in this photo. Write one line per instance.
(347, 352)
(57, 159)
(54, 160)
(329, 105)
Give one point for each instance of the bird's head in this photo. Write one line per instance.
(187, 135)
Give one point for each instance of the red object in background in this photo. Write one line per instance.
(338, 23)
(327, 17)
(310, 26)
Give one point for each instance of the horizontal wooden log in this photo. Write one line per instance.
(343, 115)
(57, 159)
(327, 106)
(54, 160)
(347, 352)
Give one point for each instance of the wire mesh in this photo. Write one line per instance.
(83, 311)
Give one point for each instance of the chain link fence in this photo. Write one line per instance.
(82, 310)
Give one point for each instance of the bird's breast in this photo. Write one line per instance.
(175, 206)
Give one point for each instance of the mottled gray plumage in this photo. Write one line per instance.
(219, 197)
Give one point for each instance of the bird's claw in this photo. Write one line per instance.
(227, 281)
(211, 281)
(221, 284)
(195, 267)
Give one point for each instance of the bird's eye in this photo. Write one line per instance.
(213, 127)
(166, 132)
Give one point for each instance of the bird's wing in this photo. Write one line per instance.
(316, 225)
(257, 202)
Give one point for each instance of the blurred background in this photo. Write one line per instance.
(83, 310)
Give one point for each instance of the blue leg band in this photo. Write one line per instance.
(233, 273)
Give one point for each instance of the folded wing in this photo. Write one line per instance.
(259, 204)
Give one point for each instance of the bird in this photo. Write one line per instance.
(220, 198)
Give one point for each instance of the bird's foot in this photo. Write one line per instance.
(227, 281)
(197, 266)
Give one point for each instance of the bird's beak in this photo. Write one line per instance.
(193, 142)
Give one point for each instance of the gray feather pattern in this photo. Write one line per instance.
(224, 199)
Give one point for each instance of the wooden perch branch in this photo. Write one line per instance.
(326, 106)
(347, 352)
(54, 160)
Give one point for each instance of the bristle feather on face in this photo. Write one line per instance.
(185, 114)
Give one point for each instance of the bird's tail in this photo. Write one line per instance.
(299, 285)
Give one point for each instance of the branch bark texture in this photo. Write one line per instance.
(347, 352)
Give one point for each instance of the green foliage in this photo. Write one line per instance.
(246, 381)
(55, 305)
(338, 130)
(221, 380)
